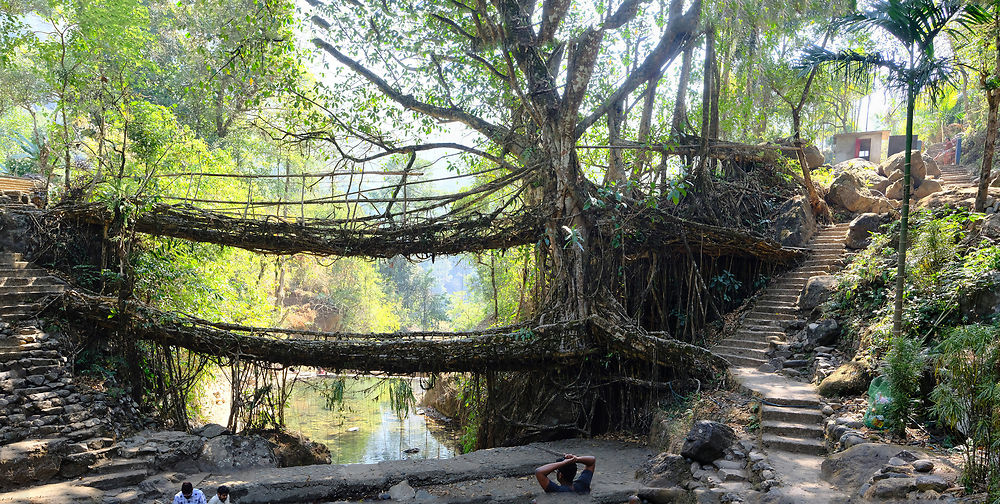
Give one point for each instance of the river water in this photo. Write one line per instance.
(362, 428)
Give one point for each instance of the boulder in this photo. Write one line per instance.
(814, 157)
(666, 470)
(851, 378)
(862, 227)
(795, 223)
(860, 167)
(402, 491)
(927, 188)
(985, 301)
(891, 488)
(932, 167)
(707, 441)
(211, 430)
(817, 290)
(932, 482)
(231, 453)
(849, 193)
(822, 332)
(893, 166)
(855, 466)
(30, 461)
(169, 448)
(294, 451)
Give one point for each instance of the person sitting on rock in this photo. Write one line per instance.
(221, 496)
(565, 470)
(189, 495)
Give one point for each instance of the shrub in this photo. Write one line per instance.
(902, 368)
(967, 398)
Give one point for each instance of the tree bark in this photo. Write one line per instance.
(904, 212)
(993, 99)
(680, 103)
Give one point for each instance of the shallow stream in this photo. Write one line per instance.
(362, 427)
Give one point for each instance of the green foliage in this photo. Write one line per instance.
(902, 368)
(967, 398)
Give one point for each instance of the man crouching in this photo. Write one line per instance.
(565, 471)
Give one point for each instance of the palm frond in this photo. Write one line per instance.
(855, 66)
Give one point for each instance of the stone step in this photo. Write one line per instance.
(114, 480)
(745, 343)
(793, 444)
(120, 465)
(788, 414)
(7, 290)
(799, 401)
(776, 305)
(13, 265)
(9, 257)
(759, 316)
(762, 334)
(21, 281)
(741, 360)
(792, 429)
(7, 271)
(741, 351)
(19, 310)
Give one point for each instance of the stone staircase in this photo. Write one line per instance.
(954, 175)
(51, 429)
(791, 418)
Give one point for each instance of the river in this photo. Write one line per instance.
(362, 428)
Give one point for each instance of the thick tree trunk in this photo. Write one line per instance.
(680, 103)
(645, 125)
(616, 169)
(993, 99)
(707, 91)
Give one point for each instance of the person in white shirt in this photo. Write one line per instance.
(221, 496)
(189, 495)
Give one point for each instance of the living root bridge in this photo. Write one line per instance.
(468, 232)
(503, 349)
(649, 228)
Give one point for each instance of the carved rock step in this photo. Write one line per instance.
(792, 429)
(114, 480)
(794, 444)
(741, 360)
(745, 343)
(9, 272)
(120, 465)
(740, 351)
(788, 414)
(8, 290)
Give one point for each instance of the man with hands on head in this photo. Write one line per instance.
(565, 471)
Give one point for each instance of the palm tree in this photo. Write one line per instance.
(915, 24)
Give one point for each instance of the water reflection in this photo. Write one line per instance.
(363, 428)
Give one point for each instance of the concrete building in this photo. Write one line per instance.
(870, 145)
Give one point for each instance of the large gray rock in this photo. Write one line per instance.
(707, 441)
(984, 302)
(30, 461)
(795, 223)
(814, 157)
(666, 470)
(212, 430)
(230, 453)
(817, 291)
(932, 169)
(862, 227)
(891, 488)
(402, 491)
(927, 188)
(851, 378)
(862, 168)
(822, 332)
(169, 448)
(855, 466)
(848, 192)
(893, 166)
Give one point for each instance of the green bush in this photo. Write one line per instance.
(967, 398)
(902, 368)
